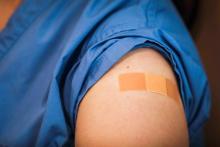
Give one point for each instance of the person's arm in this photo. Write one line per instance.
(108, 117)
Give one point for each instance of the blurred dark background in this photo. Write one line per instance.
(203, 20)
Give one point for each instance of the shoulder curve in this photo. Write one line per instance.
(105, 110)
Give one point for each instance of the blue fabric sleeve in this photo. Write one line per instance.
(154, 25)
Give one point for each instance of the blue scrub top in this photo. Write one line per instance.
(53, 51)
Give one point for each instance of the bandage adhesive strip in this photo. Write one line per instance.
(148, 82)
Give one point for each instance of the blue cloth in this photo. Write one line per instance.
(53, 51)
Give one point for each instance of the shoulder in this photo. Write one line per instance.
(109, 117)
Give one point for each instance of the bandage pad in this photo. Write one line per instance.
(136, 81)
(132, 81)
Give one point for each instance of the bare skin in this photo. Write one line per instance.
(7, 8)
(110, 118)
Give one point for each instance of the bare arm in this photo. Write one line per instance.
(108, 117)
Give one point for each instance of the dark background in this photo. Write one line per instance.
(206, 33)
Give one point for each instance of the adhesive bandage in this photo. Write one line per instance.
(148, 82)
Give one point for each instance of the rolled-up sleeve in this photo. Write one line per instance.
(154, 25)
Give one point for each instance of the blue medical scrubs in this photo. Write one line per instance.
(53, 51)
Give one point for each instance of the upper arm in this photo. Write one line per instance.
(108, 117)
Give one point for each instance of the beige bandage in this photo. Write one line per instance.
(148, 82)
